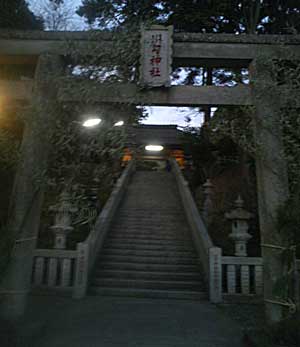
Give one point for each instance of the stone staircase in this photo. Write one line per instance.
(148, 251)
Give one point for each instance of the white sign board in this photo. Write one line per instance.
(156, 56)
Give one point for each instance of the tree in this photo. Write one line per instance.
(15, 14)
(119, 13)
(230, 16)
(57, 14)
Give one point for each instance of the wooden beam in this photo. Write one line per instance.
(174, 96)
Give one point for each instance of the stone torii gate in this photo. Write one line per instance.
(47, 52)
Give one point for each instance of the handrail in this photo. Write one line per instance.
(89, 249)
(200, 234)
(54, 253)
(97, 235)
(230, 260)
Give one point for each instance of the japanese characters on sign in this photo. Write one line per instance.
(156, 56)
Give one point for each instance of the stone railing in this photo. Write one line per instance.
(228, 277)
(235, 277)
(238, 278)
(88, 250)
(242, 276)
(54, 269)
(202, 240)
(69, 270)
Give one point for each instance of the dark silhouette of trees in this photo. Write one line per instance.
(229, 16)
(15, 14)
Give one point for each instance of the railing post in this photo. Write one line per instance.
(215, 275)
(82, 270)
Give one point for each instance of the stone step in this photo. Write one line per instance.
(161, 218)
(147, 284)
(138, 225)
(139, 210)
(159, 238)
(152, 217)
(154, 267)
(148, 259)
(137, 229)
(120, 241)
(149, 236)
(149, 275)
(137, 201)
(125, 211)
(150, 207)
(148, 253)
(145, 246)
(149, 225)
(149, 293)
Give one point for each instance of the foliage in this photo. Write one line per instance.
(86, 163)
(9, 150)
(15, 14)
(231, 16)
(217, 156)
(112, 14)
(235, 123)
(10, 137)
(113, 62)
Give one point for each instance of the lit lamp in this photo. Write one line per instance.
(154, 148)
(91, 122)
(119, 124)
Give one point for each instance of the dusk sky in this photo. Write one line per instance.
(157, 115)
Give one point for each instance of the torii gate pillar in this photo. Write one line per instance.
(272, 184)
(27, 196)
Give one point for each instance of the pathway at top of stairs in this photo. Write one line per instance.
(149, 251)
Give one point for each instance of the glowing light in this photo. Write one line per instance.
(119, 124)
(154, 148)
(91, 122)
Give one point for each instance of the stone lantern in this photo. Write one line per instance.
(239, 217)
(62, 220)
(208, 202)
